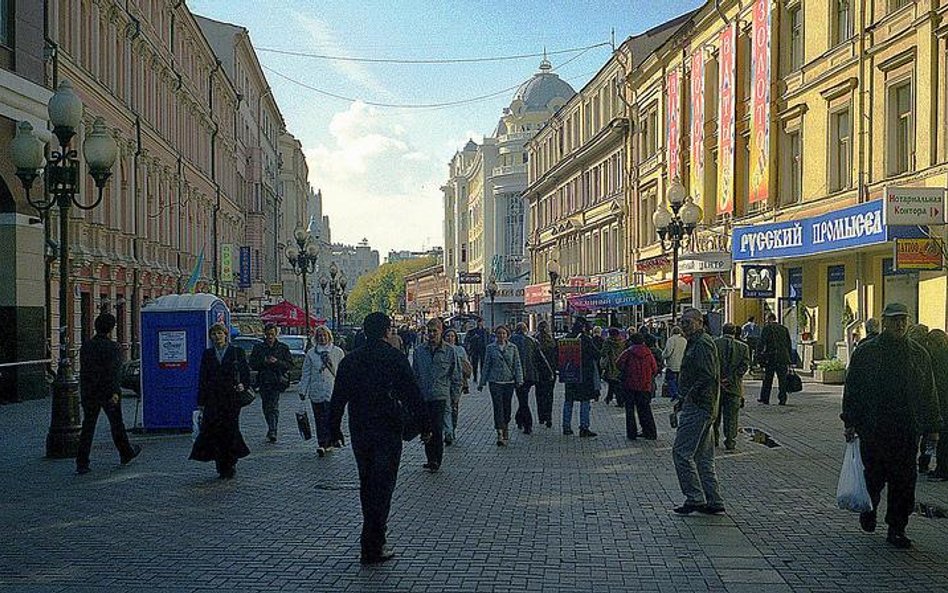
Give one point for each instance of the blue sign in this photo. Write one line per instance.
(856, 226)
(244, 281)
(795, 282)
(760, 282)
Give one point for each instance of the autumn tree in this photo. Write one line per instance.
(382, 289)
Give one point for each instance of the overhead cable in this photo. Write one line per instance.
(317, 56)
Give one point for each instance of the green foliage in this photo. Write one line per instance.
(382, 289)
(834, 364)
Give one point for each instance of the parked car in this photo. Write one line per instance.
(297, 345)
(132, 377)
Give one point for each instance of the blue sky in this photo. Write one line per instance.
(380, 168)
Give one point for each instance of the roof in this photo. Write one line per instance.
(182, 302)
(542, 89)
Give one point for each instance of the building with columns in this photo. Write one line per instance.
(295, 192)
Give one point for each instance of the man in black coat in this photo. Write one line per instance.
(272, 361)
(773, 351)
(475, 342)
(100, 388)
(370, 380)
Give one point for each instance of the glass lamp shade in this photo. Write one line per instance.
(343, 281)
(553, 267)
(312, 250)
(676, 193)
(292, 253)
(100, 149)
(26, 150)
(661, 218)
(65, 107)
(300, 234)
(690, 213)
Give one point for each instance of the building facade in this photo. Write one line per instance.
(354, 260)
(426, 294)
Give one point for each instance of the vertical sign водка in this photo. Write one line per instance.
(726, 126)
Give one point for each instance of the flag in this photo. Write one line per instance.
(195, 274)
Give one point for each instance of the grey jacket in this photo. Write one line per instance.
(502, 366)
(531, 358)
(438, 373)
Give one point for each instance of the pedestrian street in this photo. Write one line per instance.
(546, 513)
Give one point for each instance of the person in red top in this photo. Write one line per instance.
(637, 367)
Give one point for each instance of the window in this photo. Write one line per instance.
(840, 150)
(900, 129)
(650, 134)
(648, 206)
(794, 184)
(795, 20)
(897, 4)
(842, 21)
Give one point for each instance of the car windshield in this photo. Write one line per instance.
(294, 342)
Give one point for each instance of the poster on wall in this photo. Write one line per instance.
(697, 125)
(570, 360)
(173, 349)
(673, 124)
(760, 282)
(726, 126)
(760, 104)
(918, 254)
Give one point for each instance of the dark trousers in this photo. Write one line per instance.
(270, 402)
(434, 448)
(477, 363)
(501, 395)
(941, 451)
(377, 455)
(639, 402)
(524, 417)
(781, 371)
(728, 414)
(321, 413)
(90, 417)
(890, 460)
(615, 391)
(545, 402)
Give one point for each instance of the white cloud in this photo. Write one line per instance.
(323, 37)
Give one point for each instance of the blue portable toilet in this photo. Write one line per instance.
(174, 337)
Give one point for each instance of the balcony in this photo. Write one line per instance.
(509, 170)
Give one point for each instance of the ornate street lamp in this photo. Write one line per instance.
(334, 287)
(676, 226)
(62, 185)
(553, 270)
(302, 258)
(460, 300)
(492, 293)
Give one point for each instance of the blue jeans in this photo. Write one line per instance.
(583, 414)
(693, 453)
(671, 378)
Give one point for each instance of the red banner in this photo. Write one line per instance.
(760, 104)
(726, 127)
(673, 123)
(697, 125)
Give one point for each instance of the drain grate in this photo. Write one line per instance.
(760, 437)
(931, 511)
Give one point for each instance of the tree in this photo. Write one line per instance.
(382, 289)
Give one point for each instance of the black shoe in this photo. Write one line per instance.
(766, 403)
(228, 474)
(567, 432)
(448, 441)
(782, 402)
(936, 477)
(427, 465)
(321, 451)
(527, 430)
(688, 508)
(549, 424)
(898, 539)
(712, 509)
(433, 467)
(83, 470)
(136, 451)
(867, 521)
(272, 438)
(384, 556)
(586, 433)
(650, 437)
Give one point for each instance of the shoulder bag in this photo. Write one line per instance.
(245, 397)
(794, 383)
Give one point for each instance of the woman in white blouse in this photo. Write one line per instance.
(316, 383)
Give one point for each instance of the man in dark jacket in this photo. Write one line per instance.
(272, 361)
(773, 351)
(890, 401)
(530, 358)
(734, 358)
(693, 451)
(100, 389)
(475, 342)
(370, 380)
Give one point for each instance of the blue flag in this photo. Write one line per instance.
(196, 274)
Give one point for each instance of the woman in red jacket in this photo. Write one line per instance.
(637, 368)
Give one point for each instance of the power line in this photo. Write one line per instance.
(301, 54)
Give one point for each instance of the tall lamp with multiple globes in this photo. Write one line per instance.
(676, 226)
(63, 185)
(492, 293)
(303, 257)
(334, 287)
(460, 300)
(553, 270)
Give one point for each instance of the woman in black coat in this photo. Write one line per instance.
(224, 373)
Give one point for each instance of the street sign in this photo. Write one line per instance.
(276, 289)
(914, 206)
(918, 254)
(712, 262)
(469, 277)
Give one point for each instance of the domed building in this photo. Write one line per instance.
(484, 215)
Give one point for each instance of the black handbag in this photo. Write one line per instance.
(245, 397)
(410, 423)
(302, 423)
(794, 383)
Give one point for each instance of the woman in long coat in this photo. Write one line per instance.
(224, 373)
(587, 389)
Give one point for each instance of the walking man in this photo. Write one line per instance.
(889, 401)
(100, 390)
(530, 356)
(272, 361)
(693, 451)
(673, 353)
(735, 362)
(376, 382)
(773, 351)
(475, 342)
(437, 370)
(750, 332)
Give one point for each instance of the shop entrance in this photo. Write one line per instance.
(900, 287)
(836, 307)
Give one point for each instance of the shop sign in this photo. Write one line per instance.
(918, 254)
(914, 206)
(705, 263)
(856, 226)
(613, 281)
(244, 281)
(795, 284)
(469, 277)
(276, 289)
(536, 294)
(508, 292)
(760, 282)
(651, 264)
(227, 262)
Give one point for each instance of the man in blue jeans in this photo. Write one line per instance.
(693, 451)
(437, 370)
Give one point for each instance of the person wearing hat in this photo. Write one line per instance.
(889, 401)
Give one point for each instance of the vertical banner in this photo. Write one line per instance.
(760, 104)
(697, 125)
(570, 360)
(227, 263)
(245, 267)
(726, 128)
(673, 123)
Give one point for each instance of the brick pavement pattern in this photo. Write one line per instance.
(547, 513)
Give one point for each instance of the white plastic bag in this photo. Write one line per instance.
(851, 493)
(195, 424)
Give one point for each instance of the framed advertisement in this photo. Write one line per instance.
(759, 282)
(173, 349)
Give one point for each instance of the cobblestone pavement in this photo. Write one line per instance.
(547, 513)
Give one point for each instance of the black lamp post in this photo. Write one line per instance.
(62, 185)
(302, 258)
(334, 287)
(492, 293)
(553, 269)
(676, 226)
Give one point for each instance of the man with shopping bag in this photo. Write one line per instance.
(889, 401)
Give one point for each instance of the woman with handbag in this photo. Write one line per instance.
(502, 372)
(222, 391)
(316, 383)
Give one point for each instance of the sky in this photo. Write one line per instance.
(381, 168)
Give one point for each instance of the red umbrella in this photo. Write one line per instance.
(286, 314)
